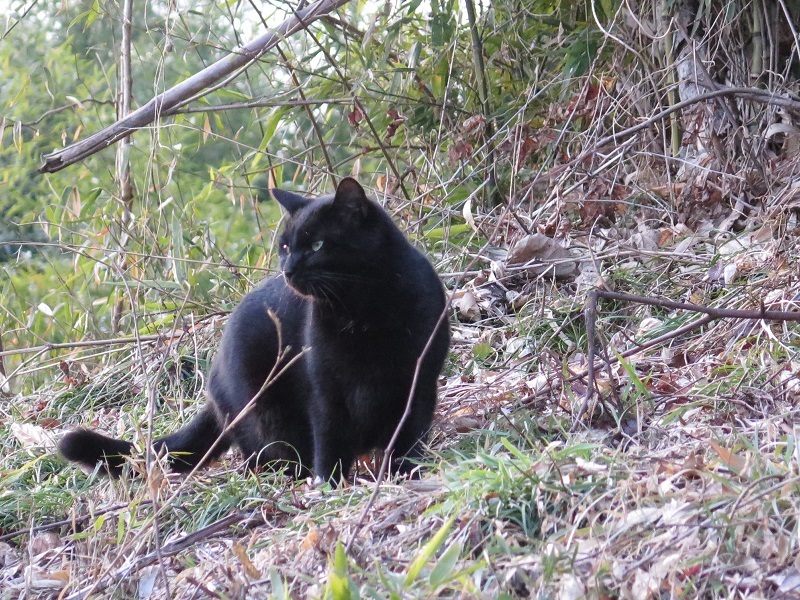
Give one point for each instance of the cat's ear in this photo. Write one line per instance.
(289, 200)
(352, 197)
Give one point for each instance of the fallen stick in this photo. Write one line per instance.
(182, 543)
(711, 313)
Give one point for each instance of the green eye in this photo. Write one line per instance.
(316, 245)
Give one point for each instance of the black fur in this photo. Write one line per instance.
(338, 334)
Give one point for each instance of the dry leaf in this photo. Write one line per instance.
(43, 542)
(32, 436)
(241, 553)
(460, 150)
(206, 128)
(542, 255)
(397, 120)
(732, 460)
(311, 540)
(648, 326)
(355, 117)
(42, 580)
(645, 585)
(8, 556)
(474, 125)
(466, 424)
(571, 588)
(5, 387)
(589, 467)
(466, 306)
(468, 216)
(788, 581)
(147, 581)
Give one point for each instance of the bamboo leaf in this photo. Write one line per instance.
(428, 550)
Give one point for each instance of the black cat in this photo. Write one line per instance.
(332, 345)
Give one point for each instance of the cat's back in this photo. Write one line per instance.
(427, 286)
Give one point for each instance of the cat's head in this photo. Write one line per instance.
(331, 247)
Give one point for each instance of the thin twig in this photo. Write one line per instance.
(752, 94)
(85, 344)
(483, 96)
(305, 103)
(357, 102)
(710, 312)
(387, 453)
(187, 541)
(616, 358)
(715, 313)
(67, 522)
(261, 104)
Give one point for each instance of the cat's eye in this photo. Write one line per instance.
(316, 245)
(285, 248)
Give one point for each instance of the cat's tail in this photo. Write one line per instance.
(187, 447)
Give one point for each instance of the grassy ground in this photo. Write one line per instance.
(680, 481)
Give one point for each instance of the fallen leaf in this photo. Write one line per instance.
(732, 460)
(8, 556)
(466, 424)
(32, 436)
(467, 306)
(540, 254)
(241, 553)
(589, 467)
(43, 542)
(147, 581)
(42, 580)
(571, 588)
(311, 540)
(787, 581)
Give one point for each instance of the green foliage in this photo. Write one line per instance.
(200, 178)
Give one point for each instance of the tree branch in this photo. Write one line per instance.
(714, 313)
(167, 102)
(751, 94)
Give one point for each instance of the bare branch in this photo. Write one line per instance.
(167, 102)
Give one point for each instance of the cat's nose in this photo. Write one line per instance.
(289, 265)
